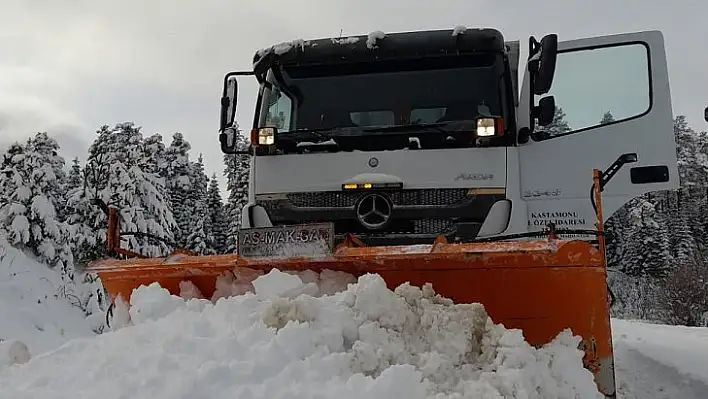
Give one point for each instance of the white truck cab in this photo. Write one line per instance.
(399, 138)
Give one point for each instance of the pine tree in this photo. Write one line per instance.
(218, 223)
(74, 179)
(607, 118)
(155, 162)
(177, 179)
(559, 124)
(647, 241)
(32, 179)
(120, 173)
(197, 201)
(237, 174)
(683, 244)
(690, 148)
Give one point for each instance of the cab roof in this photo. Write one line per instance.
(378, 46)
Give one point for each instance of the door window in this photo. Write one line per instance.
(596, 86)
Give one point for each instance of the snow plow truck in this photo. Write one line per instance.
(419, 156)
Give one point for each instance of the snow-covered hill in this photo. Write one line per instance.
(35, 303)
(276, 344)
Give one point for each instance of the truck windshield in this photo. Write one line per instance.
(317, 98)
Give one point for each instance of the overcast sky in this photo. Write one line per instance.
(70, 66)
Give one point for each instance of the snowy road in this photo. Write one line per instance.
(658, 362)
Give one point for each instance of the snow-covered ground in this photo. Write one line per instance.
(34, 304)
(311, 336)
(659, 361)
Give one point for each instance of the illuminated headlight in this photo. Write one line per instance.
(266, 136)
(486, 127)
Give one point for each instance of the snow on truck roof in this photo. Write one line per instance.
(378, 45)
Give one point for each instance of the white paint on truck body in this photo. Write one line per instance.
(417, 169)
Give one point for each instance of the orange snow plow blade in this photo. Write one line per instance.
(541, 287)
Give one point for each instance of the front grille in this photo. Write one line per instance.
(442, 212)
(399, 226)
(426, 197)
(432, 226)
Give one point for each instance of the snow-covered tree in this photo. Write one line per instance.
(647, 250)
(237, 175)
(155, 155)
(32, 179)
(559, 125)
(218, 223)
(197, 240)
(177, 176)
(607, 118)
(682, 296)
(120, 172)
(691, 152)
(75, 178)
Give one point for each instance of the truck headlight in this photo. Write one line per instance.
(263, 136)
(487, 127)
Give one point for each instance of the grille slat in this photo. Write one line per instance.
(431, 197)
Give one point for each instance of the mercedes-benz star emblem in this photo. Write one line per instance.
(374, 211)
(373, 162)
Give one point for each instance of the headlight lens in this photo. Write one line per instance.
(486, 127)
(266, 136)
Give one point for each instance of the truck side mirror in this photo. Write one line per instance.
(705, 114)
(545, 110)
(542, 62)
(228, 102)
(228, 113)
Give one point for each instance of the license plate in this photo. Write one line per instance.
(315, 239)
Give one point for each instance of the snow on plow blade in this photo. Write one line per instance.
(541, 287)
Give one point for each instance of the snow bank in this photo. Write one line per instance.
(288, 341)
(34, 306)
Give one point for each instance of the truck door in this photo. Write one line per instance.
(612, 97)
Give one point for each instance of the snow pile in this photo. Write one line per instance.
(346, 40)
(459, 30)
(373, 37)
(288, 341)
(283, 47)
(34, 307)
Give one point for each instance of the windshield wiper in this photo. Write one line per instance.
(440, 127)
(325, 134)
(408, 128)
(304, 134)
